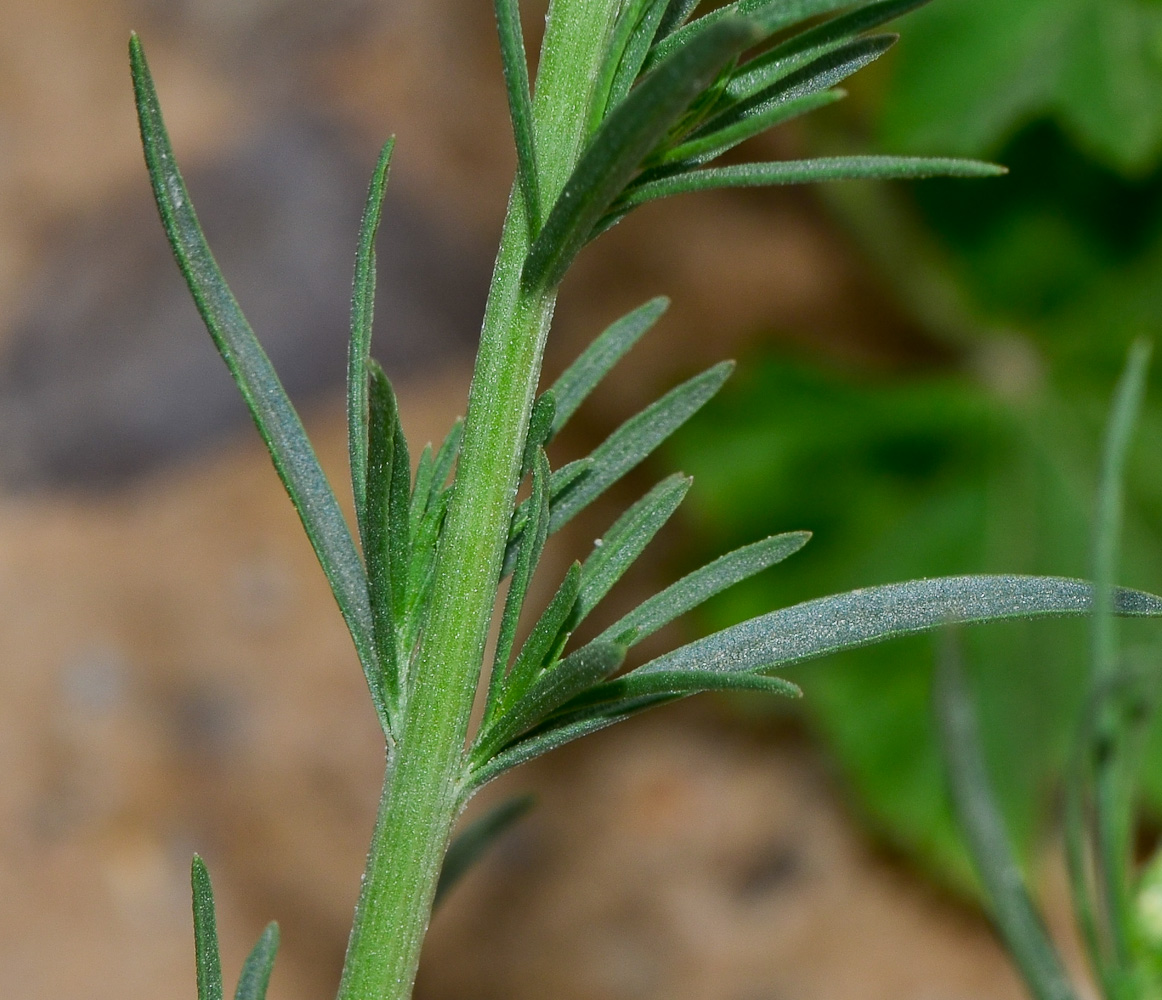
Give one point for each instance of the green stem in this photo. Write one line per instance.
(421, 795)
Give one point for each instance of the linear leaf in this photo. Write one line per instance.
(676, 14)
(703, 584)
(576, 673)
(398, 494)
(769, 16)
(206, 953)
(422, 489)
(520, 106)
(362, 321)
(833, 168)
(561, 482)
(637, 50)
(626, 539)
(820, 73)
(598, 359)
(377, 532)
(980, 820)
(630, 132)
(624, 28)
(470, 845)
(1112, 791)
(630, 689)
(540, 429)
(821, 37)
(256, 970)
(277, 422)
(531, 545)
(446, 458)
(718, 141)
(544, 641)
(541, 743)
(421, 573)
(860, 617)
(634, 440)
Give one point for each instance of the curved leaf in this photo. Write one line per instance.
(256, 970)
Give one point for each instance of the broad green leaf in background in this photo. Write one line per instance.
(973, 69)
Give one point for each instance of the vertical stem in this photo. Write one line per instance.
(420, 797)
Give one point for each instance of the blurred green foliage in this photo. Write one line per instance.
(989, 463)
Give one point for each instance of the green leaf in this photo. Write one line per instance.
(846, 621)
(540, 429)
(699, 586)
(637, 50)
(378, 531)
(598, 359)
(634, 440)
(676, 14)
(576, 673)
(545, 640)
(560, 482)
(769, 16)
(822, 37)
(785, 82)
(628, 21)
(834, 168)
(630, 132)
(421, 572)
(256, 970)
(205, 933)
(531, 545)
(1016, 917)
(422, 489)
(520, 106)
(446, 458)
(626, 539)
(277, 422)
(976, 70)
(362, 322)
(713, 143)
(470, 845)
(1112, 776)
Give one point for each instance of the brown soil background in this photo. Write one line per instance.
(173, 674)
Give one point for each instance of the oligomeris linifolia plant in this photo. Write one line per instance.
(632, 99)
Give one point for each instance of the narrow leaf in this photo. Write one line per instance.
(624, 28)
(531, 545)
(446, 458)
(676, 14)
(979, 818)
(699, 586)
(540, 429)
(577, 673)
(259, 964)
(422, 489)
(630, 132)
(470, 845)
(251, 369)
(821, 73)
(421, 573)
(626, 539)
(819, 38)
(1112, 785)
(861, 617)
(769, 16)
(205, 933)
(637, 50)
(520, 106)
(398, 499)
(561, 482)
(377, 532)
(634, 440)
(549, 633)
(362, 321)
(716, 142)
(834, 168)
(598, 359)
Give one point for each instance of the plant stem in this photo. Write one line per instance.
(421, 794)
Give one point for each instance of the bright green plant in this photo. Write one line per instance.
(1117, 908)
(632, 99)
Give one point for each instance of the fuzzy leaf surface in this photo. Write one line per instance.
(520, 106)
(860, 617)
(273, 414)
(209, 963)
(255, 977)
